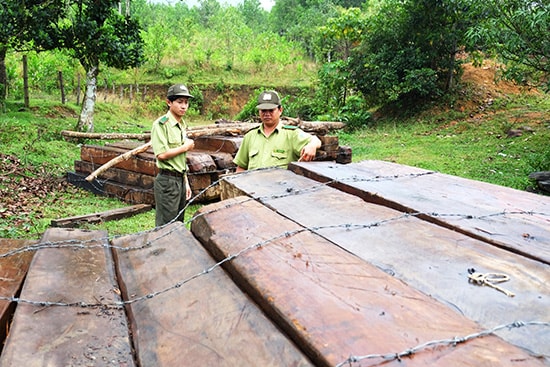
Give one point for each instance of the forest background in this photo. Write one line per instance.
(393, 70)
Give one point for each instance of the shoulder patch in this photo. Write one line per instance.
(163, 120)
(254, 128)
(290, 127)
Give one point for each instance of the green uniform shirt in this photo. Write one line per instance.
(279, 149)
(167, 133)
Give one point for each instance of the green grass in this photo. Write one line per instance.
(472, 147)
(466, 144)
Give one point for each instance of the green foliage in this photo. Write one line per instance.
(249, 110)
(409, 52)
(518, 31)
(456, 144)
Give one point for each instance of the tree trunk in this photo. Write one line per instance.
(86, 119)
(3, 75)
(26, 97)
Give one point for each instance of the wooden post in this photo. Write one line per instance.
(26, 81)
(61, 86)
(144, 94)
(78, 89)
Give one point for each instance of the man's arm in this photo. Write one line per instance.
(308, 152)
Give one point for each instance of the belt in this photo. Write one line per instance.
(167, 172)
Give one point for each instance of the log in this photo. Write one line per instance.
(43, 335)
(114, 214)
(13, 270)
(105, 136)
(205, 322)
(126, 193)
(436, 261)
(113, 162)
(504, 217)
(231, 128)
(129, 178)
(332, 303)
(320, 127)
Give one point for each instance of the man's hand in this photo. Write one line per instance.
(308, 152)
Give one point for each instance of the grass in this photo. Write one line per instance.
(475, 147)
(463, 143)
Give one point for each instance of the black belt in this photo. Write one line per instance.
(167, 172)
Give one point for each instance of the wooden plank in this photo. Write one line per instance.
(481, 210)
(143, 163)
(118, 175)
(206, 321)
(200, 162)
(331, 302)
(13, 269)
(224, 161)
(129, 194)
(436, 261)
(69, 336)
(202, 188)
(226, 144)
(114, 214)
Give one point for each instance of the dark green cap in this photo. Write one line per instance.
(268, 100)
(178, 90)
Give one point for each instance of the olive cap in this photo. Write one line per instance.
(268, 100)
(178, 90)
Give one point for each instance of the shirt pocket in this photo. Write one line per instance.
(279, 154)
(174, 140)
(253, 153)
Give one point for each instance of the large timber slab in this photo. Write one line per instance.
(15, 258)
(194, 314)
(512, 219)
(53, 336)
(331, 302)
(144, 163)
(117, 175)
(426, 256)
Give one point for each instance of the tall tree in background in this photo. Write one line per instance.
(21, 22)
(297, 20)
(409, 53)
(94, 32)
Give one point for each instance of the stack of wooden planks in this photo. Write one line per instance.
(323, 264)
(132, 180)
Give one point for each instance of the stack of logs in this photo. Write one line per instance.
(543, 181)
(131, 179)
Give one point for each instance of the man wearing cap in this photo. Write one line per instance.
(170, 144)
(273, 144)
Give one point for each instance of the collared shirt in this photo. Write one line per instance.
(283, 146)
(168, 133)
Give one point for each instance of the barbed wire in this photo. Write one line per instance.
(85, 244)
(107, 243)
(453, 342)
(288, 192)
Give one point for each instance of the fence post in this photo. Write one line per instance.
(61, 86)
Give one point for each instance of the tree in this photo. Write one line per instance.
(518, 31)
(335, 41)
(21, 21)
(94, 32)
(297, 20)
(409, 52)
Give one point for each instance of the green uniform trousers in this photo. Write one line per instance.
(170, 198)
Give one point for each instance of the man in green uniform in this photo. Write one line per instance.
(273, 144)
(170, 144)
